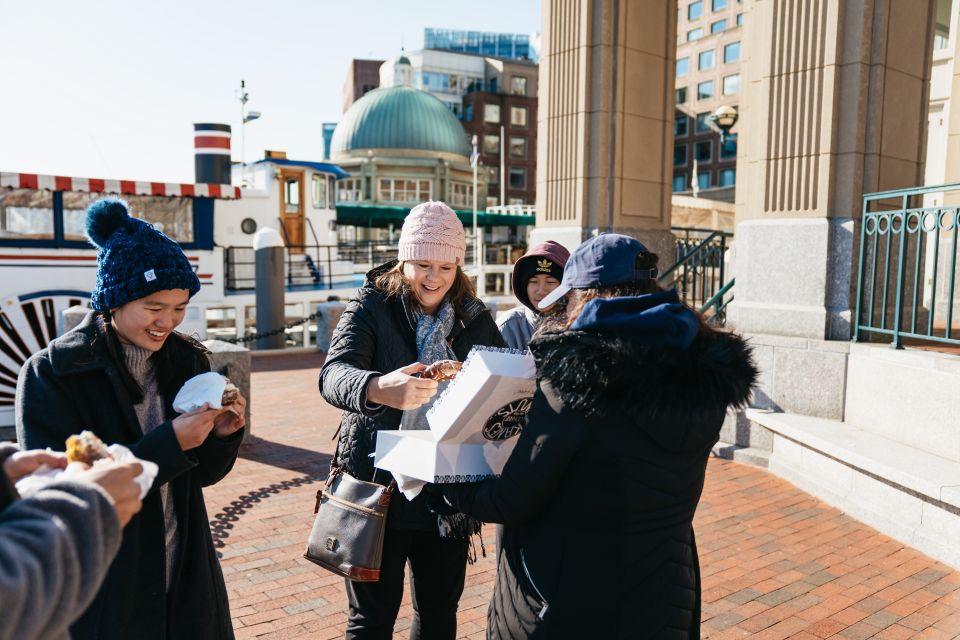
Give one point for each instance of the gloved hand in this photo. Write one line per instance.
(436, 503)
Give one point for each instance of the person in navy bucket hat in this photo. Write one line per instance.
(632, 389)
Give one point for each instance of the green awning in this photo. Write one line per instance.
(377, 215)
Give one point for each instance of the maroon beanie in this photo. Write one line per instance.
(546, 258)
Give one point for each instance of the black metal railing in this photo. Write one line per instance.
(699, 272)
(907, 266)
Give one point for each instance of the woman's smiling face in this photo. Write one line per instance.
(148, 321)
(430, 281)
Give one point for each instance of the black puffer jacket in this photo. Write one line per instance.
(376, 335)
(600, 493)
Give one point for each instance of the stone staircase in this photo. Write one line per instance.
(888, 454)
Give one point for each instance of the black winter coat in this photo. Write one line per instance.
(599, 495)
(72, 385)
(377, 335)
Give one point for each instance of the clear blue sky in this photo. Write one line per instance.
(111, 88)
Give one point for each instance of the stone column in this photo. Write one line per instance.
(834, 100)
(606, 115)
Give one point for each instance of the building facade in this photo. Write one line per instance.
(709, 36)
(485, 43)
(494, 99)
(362, 78)
(503, 116)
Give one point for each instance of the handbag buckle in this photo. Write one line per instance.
(330, 544)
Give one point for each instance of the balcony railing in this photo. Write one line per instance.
(907, 267)
(699, 271)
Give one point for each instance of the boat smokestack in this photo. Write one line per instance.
(211, 148)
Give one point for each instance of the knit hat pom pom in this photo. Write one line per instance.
(104, 217)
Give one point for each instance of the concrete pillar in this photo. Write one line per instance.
(606, 121)
(836, 93)
(268, 253)
(233, 361)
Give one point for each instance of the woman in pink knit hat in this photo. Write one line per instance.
(410, 312)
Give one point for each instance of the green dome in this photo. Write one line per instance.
(399, 118)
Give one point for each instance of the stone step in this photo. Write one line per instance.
(908, 493)
(747, 455)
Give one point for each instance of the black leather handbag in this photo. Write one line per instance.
(347, 534)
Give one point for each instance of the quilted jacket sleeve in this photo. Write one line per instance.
(532, 474)
(347, 370)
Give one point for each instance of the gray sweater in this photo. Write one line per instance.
(517, 326)
(56, 546)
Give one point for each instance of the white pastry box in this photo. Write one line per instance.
(474, 424)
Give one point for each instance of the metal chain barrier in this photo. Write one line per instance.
(272, 332)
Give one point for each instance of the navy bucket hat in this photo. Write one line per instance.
(602, 261)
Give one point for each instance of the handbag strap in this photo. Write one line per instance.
(336, 469)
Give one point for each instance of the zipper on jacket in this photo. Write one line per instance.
(526, 571)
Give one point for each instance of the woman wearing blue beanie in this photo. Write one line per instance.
(117, 375)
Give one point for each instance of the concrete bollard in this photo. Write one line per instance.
(233, 361)
(71, 317)
(328, 315)
(268, 252)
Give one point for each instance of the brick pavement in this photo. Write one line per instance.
(776, 562)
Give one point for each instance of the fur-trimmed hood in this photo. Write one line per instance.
(605, 373)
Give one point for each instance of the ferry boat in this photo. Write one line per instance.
(47, 264)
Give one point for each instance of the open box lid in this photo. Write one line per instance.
(488, 400)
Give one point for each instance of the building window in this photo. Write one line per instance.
(731, 52)
(695, 10)
(468, 112)
(680, 182)
(683, 66)
(491, 113)
(680, 125)
(718, 5)
(518, 116)
(727, 178)
(718, 26)
(518, 85)
(731, 85)
(461, 194)
(703, 151)
(491, 145)
(349, 190)
(319, 191)
(402, 190)
(728, 149)
(739, 19)
(703, 123)
(679, 155)
(493, 175)
(705, 90)
(681, 95)
(518, 178)
(694, 34)
(703, 179)
(518, 147)
(706, 60)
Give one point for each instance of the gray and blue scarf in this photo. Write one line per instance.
(432, 346)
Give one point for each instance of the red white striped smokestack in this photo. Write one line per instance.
(211, 148)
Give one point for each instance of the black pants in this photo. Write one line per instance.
(437, 571)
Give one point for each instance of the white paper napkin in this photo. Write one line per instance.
(206, 388)
(45, 475)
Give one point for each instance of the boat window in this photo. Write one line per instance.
(171, 215)
(26, 214)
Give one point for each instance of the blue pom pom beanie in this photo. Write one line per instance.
(135, 259)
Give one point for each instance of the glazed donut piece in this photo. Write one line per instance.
(87, 448)
(229, 394)
(442, 370)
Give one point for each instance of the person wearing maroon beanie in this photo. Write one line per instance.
(535, 274)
